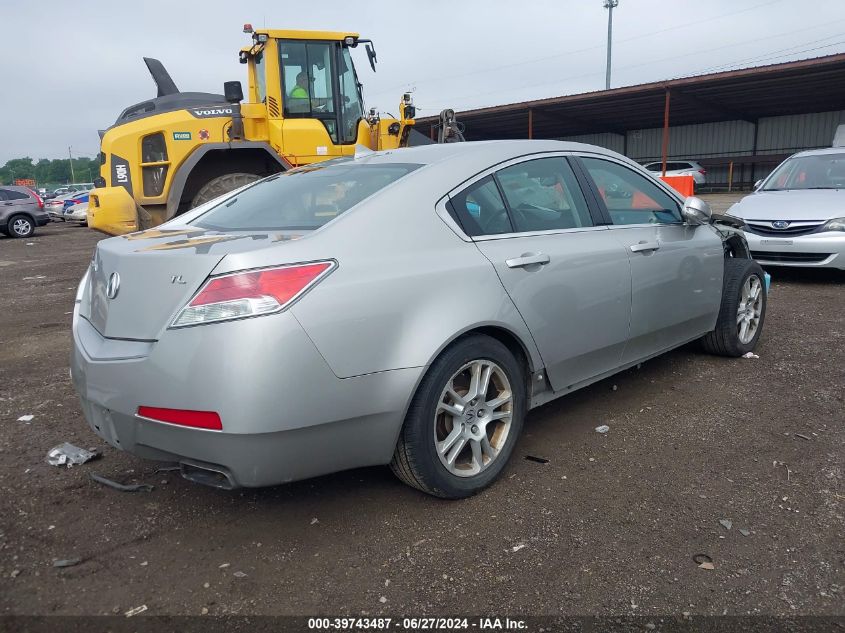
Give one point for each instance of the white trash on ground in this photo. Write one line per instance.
(602, 429)
(26, 418)
(750, 355)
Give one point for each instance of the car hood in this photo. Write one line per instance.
(794, 204)
(158, 271)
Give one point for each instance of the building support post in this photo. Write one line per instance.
(754, 153)
(530, 123)
(665, 149)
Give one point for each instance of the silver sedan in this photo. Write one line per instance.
(796, 217)
(405, 307)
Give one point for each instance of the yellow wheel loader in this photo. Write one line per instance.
(304, 104)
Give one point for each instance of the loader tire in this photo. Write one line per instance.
(222, 185)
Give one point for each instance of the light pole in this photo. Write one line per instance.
(609, 5)
(70, 156)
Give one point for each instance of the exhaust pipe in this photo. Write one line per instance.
(214, 476)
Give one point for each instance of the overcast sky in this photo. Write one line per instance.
(70, 67)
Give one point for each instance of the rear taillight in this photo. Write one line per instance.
(703, 172)
(251, 293)
(183, 417)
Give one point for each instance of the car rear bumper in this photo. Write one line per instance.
(285, 415)
(818, 250)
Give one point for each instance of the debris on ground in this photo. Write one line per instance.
(26, 418)
(726, 523)
(703, 561)
(122, 487)
(744, 532)
(383, 599)
(802, 436)
(614, 388)
(602, 429)
(69, 455)
(750, 355)
(314, 521)
(239, 574)
(135, 611)
(539, 460)
(516, 548)
(223, 566)
(66, 562)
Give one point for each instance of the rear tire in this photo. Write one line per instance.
(222, 185)
(20, 226)
(743, 310)
(453, 447)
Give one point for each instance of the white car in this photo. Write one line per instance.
(55, 206)
(796, 216)
(77, 213)
(680, 168)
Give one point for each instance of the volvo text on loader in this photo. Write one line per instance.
(304, 104)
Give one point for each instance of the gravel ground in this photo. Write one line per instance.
(609, 525)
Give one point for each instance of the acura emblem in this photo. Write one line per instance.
(780, 224)
(114, 286)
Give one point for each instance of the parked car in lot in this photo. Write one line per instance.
(405, 307)
(796, 216)
(21, 210)
(77, 213)
(56, 206)
(73, 200)
(680, 168)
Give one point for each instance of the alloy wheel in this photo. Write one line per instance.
(473, 418)
(750, 309)
(22, 227)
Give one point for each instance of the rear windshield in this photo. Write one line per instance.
(302, 199)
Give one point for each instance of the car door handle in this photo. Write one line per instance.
(528, 259)
(641, 247)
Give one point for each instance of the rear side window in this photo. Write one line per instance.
(302, 199)
(480, 209)
(15, 195)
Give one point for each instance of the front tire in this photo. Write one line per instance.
(743, 310)
(222, 185)
(464, 420)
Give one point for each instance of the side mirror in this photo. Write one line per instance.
(757, 184)
(696, 211)
(232, 92)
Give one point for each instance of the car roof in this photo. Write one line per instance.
(473, 156)
(820, 152)
(20, 188)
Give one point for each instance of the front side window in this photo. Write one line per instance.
(302, 199)
(543, 195)
(822, 171)
(631, 198)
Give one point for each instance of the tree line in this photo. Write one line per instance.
(50, 173)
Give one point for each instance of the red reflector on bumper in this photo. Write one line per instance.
(183, 417)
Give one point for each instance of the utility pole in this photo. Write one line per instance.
(70, 156)
(610, 5)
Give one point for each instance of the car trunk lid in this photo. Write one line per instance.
(139, 282)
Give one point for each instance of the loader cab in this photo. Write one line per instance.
(309, 86)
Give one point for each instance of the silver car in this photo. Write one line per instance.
(406, 307)
(796, 217)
